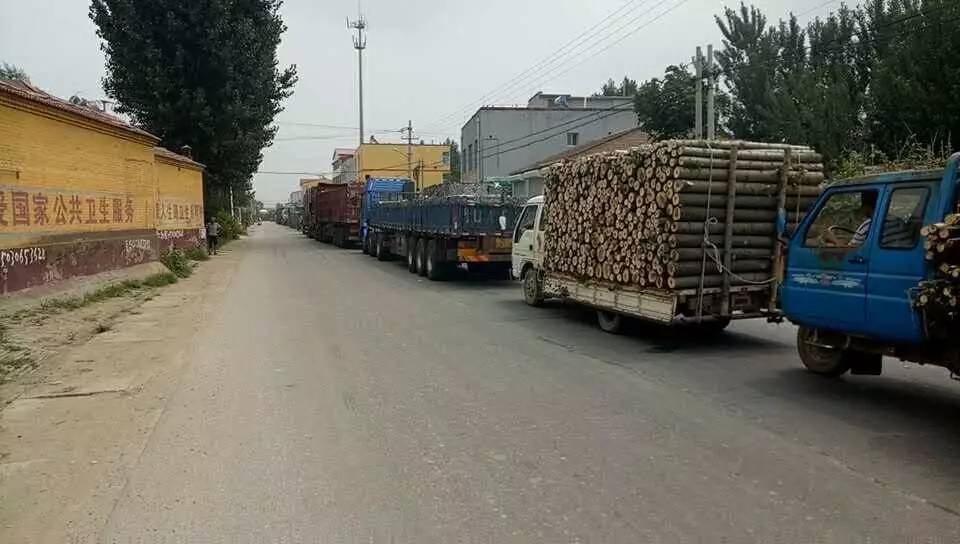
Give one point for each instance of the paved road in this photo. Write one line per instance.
(363, 403)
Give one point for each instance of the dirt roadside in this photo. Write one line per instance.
(77, 425)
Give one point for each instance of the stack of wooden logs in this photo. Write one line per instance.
(940, 297)
(655, 216)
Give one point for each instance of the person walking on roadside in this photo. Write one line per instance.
(213, 236)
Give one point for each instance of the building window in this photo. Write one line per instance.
(470, 158)
(446, 158)
(573, 139)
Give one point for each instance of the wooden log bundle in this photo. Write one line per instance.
(656, 216)
(939, 298)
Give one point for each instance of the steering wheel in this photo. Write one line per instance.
(841, 229)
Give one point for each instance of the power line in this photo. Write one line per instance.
(620, 39)
(554, 57)
(547, 76)
(815, 8)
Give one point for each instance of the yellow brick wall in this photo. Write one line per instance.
(59, 178)
(390, 161)
(179, 196)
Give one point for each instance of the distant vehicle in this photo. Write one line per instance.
(436, 234)
(861, 283)
(332, 213)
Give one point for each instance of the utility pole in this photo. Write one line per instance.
(698, 122)
(233, 211)
(359, 43)
(711, 95)
(408, 131)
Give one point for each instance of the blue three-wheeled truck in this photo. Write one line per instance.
(860, 269)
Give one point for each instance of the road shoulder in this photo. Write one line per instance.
(71, 436)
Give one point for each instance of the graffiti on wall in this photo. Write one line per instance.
(13, 258)
(137, 251)
(25, 210)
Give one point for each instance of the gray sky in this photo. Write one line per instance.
(425, 60)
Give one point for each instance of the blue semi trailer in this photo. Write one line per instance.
(436, 234)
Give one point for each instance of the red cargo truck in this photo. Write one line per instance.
(332, 213)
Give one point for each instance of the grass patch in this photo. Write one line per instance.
(197, 254)
(160, 279)
(13, 357)
(177, 262)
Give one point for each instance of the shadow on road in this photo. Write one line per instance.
(878, 403)
(647, 337)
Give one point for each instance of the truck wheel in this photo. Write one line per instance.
(382, 253)
(421, 249)
(412, 254)
(819, 360)
(610, 322)
(434, 269)
(532, 288)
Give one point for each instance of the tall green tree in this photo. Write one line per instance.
(13, 72)
(203, 74)
(916, 74)
(748, 62)
(789, 83)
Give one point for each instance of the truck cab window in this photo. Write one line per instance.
(904, 218)
(526, 222)
(845, 220)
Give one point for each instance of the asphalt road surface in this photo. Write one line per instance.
(340, 399)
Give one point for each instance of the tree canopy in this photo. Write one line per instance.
(203, 74)
(879, 76)
(14, 73)
(626, 87)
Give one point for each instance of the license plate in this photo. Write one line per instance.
(503, 243)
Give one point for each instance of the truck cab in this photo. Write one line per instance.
(528, 239)
(853, 267)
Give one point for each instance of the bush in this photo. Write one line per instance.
(160, 279)
(230, 228)
(197, 254)
(177, 262)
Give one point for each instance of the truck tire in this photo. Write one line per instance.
(819, 360)
(532, 287)
(610, 322)
(382, 253)
(434, 268)
(412, 254)
(421, 249)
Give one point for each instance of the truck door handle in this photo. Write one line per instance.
(857, 260)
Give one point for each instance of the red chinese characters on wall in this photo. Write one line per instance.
(175, 212)
(45, 209)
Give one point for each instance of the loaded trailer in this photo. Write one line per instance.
(678, 232)
(332, 213)
(437, 234)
